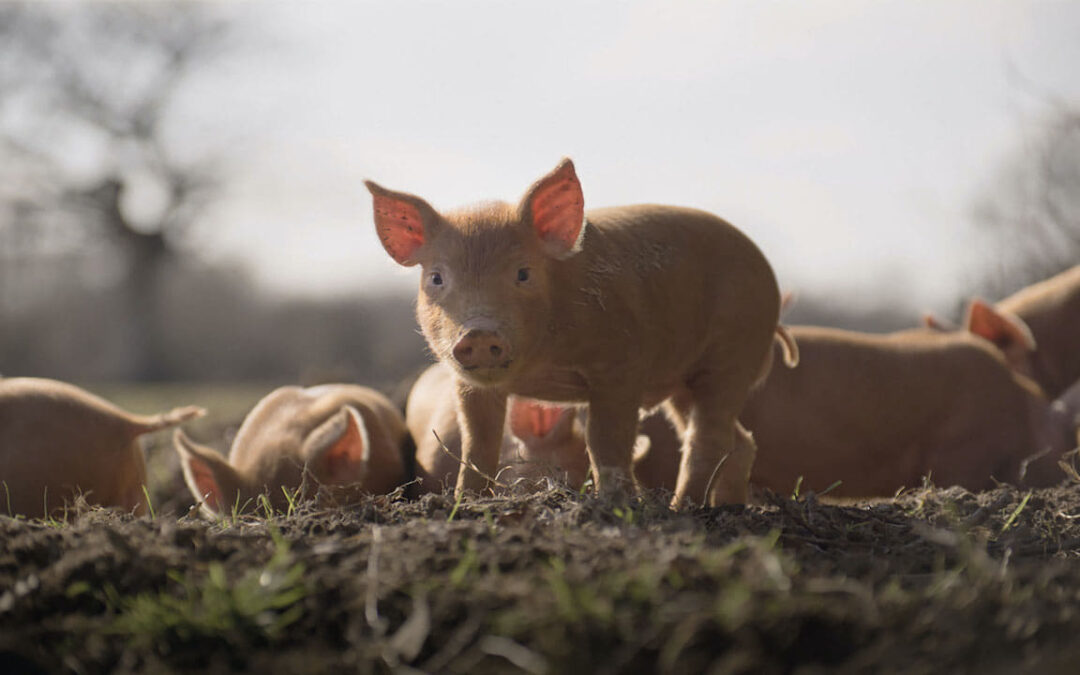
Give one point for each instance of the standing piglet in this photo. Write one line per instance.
(620, 308)
(348, 438)
(57, 441)
(543, 440)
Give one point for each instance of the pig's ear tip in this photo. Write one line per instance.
(373, 187)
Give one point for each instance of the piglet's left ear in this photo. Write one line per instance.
(555, 207)
(338, 451)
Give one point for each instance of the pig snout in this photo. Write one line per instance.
(482, 349)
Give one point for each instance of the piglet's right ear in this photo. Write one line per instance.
(402, 222)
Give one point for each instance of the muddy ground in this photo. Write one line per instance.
(934, 581)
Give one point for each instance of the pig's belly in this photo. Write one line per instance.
(553, 384)
(570, 386)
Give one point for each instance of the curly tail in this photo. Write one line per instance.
(789, 346)
(176, 416)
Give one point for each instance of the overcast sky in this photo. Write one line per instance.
(849, 139)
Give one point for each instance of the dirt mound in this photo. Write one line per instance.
(934, 581)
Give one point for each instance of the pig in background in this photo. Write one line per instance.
(1046, 348)
(542, 441)
(340, 440)
(58, 441)
(880, 412)
(620, 308)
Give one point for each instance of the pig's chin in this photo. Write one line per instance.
(486, 377)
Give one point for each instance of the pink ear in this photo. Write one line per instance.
(201, 478)
(211, 479)
(531, 419)
(399, 222)
(342, 450)
(1002, 328)
(556, 208)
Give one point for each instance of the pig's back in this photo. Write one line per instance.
(57, 439)
(38, 412)
(678, 282)
(880, 411)
(661, 235)
(682, 256)
(286, 416)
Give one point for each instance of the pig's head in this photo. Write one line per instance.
(336, 455)
(485, 298)
(1007, 331)
(552, 442)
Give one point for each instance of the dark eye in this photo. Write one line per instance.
(523, 274)
(436, 279)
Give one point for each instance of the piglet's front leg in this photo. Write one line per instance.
(611, 432)
(481, 416)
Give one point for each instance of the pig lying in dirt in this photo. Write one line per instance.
(347, 438)
(620, 308)
(57, 441)
(543, 440)
(879, 412)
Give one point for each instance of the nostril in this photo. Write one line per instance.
(465, 351)
(496, 351)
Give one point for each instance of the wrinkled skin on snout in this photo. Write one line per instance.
(58, 441)
(335, 441)
(620, 309)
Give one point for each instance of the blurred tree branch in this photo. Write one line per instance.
(89, 149)
(87, 91)
(1031, 207)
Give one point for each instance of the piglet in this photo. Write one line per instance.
(880, 412)
(57, 441)
(620, 308)
(1051, 309)
(543, 441)
(346, 438)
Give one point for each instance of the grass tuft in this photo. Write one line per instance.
(255, 608)
(149, 503)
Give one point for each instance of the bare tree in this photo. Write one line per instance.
(88, 144)
(1031, 207)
